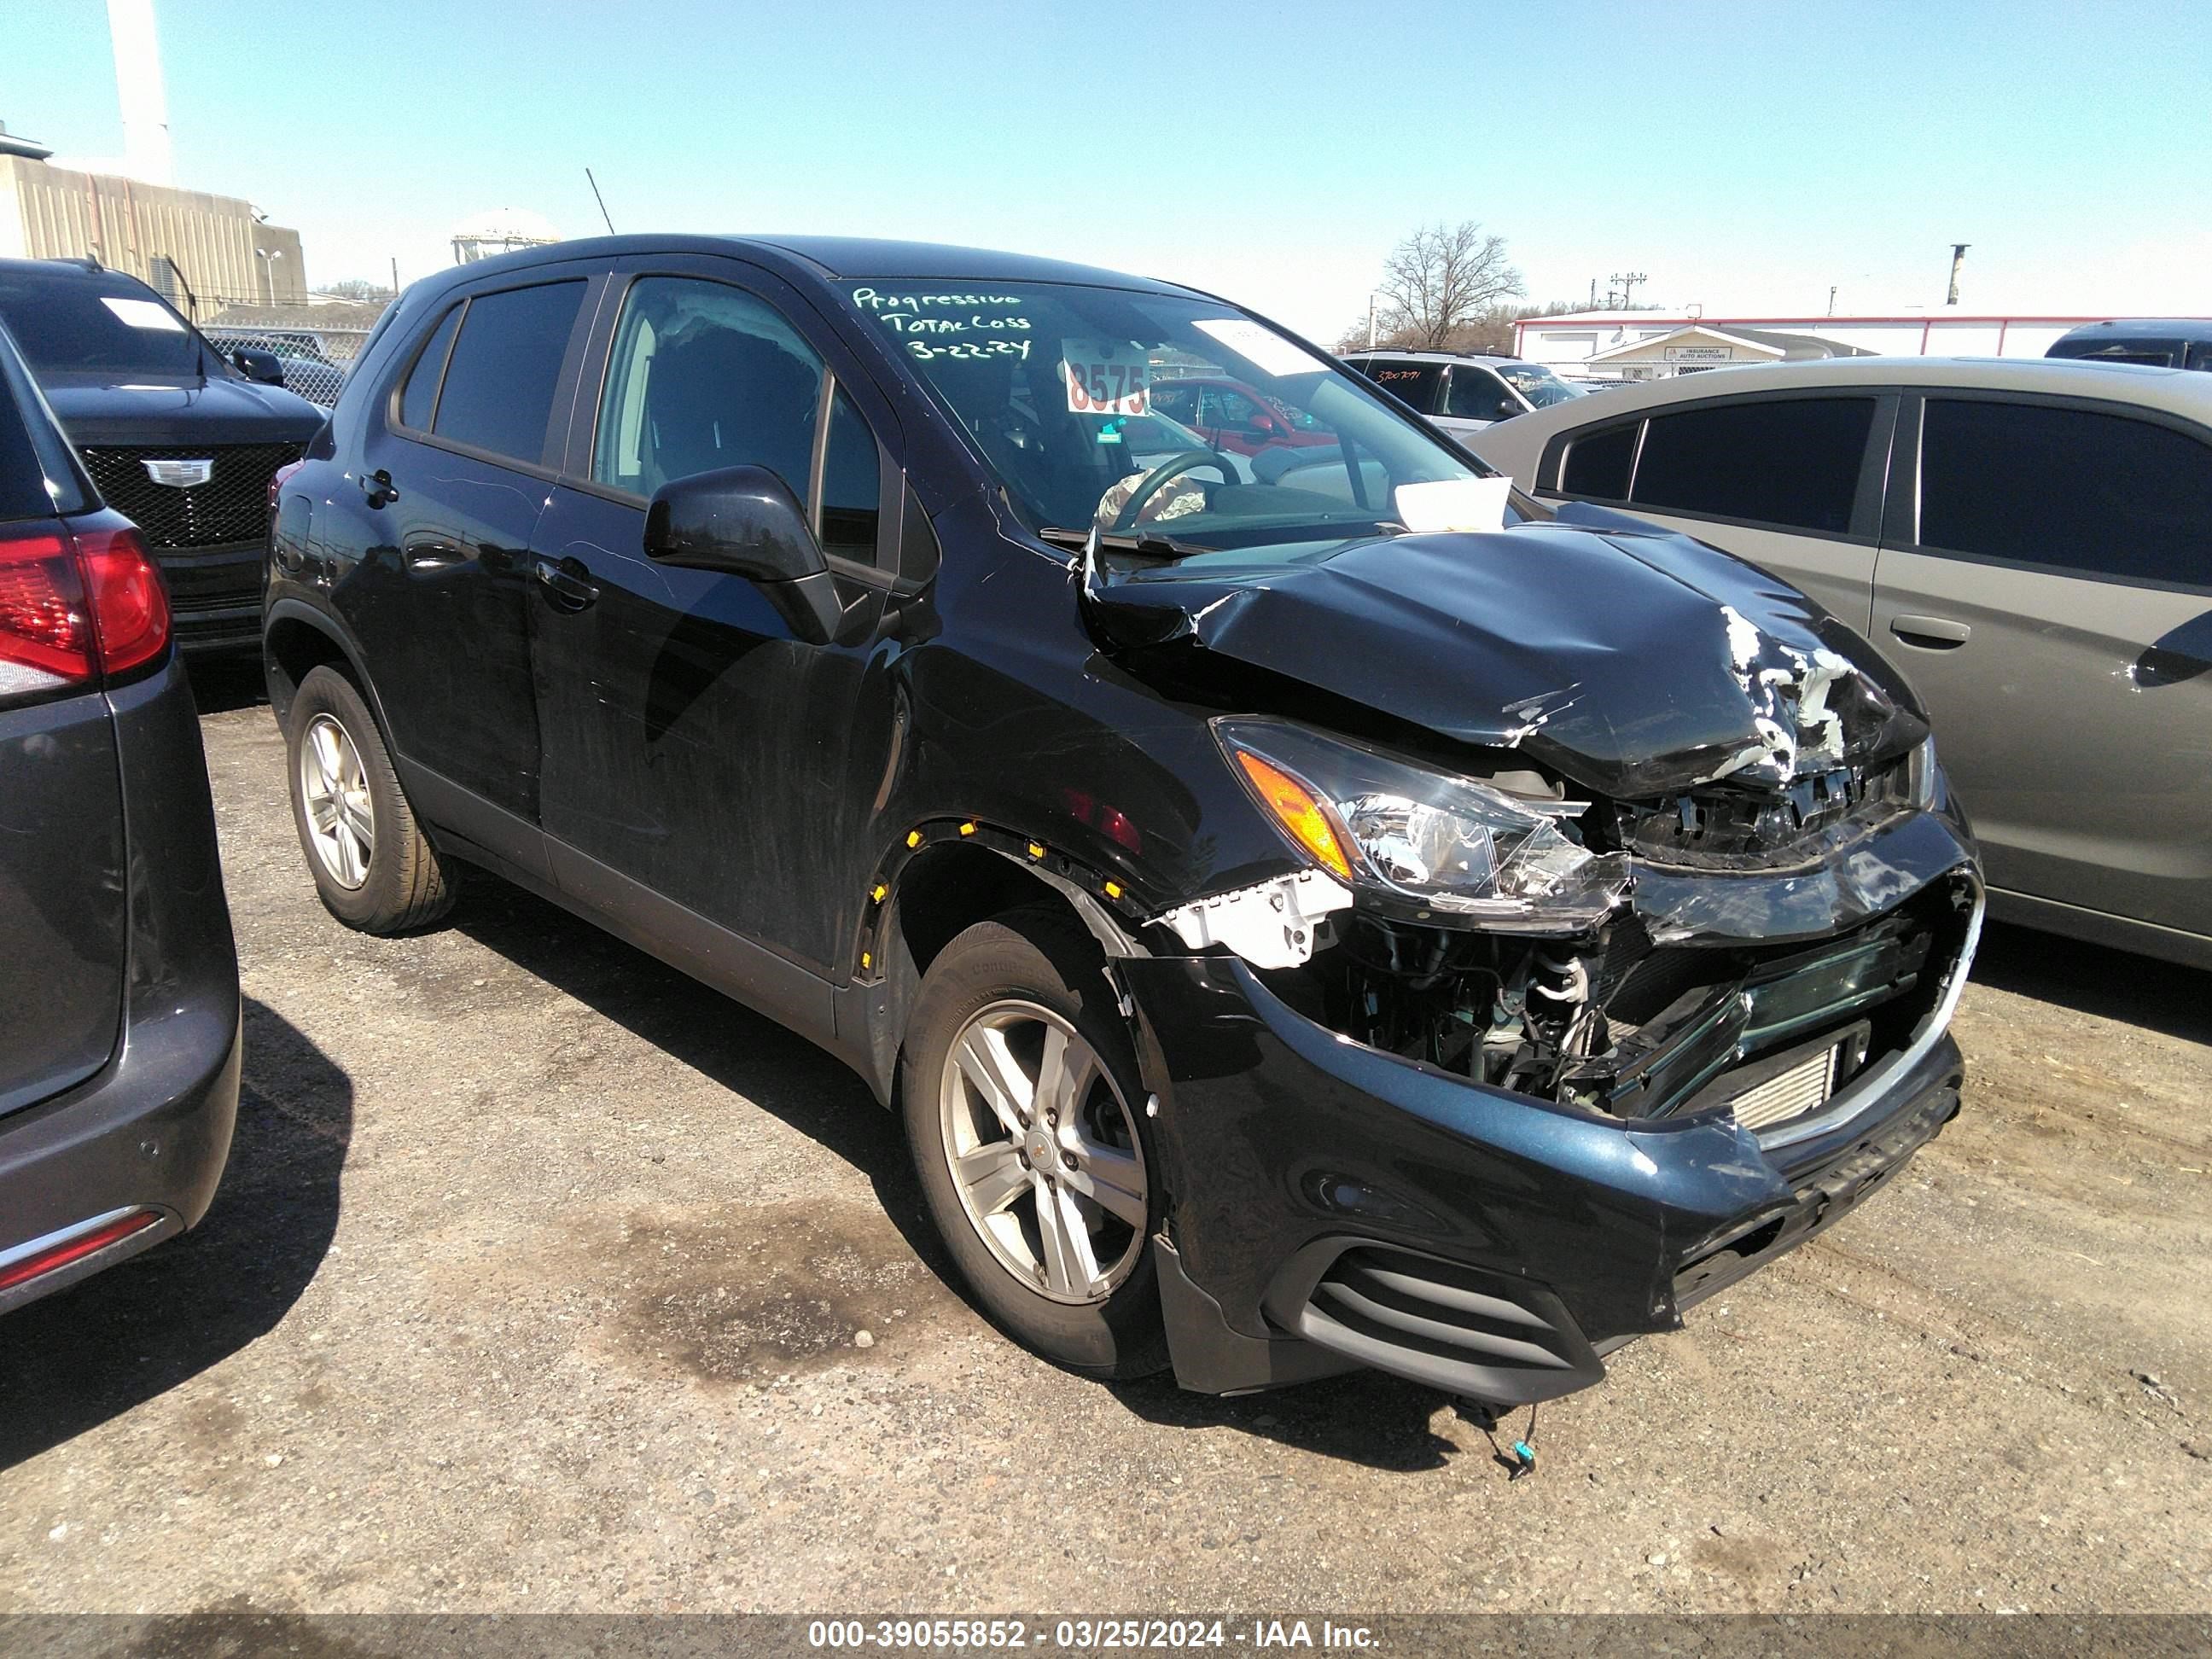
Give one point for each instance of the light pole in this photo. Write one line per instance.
(1370, 319)
(269, 257)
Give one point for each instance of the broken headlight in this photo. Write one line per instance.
(1446, 846)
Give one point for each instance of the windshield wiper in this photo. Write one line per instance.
(1145, 543)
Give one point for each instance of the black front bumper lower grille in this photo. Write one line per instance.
(230, 507)
(1453, 1327)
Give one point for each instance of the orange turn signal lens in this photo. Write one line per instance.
(1296, 811)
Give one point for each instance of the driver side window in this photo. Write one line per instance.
(1476, 394)
(705, 376)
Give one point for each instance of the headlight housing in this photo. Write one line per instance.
(1925, 776)
(1429, 845)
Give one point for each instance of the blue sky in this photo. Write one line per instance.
(1745, 156)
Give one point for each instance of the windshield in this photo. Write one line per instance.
(70, 324)
(1537, 384)
(1146, 415)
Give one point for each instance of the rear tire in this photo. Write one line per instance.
(373, 868)
(1017, 1060)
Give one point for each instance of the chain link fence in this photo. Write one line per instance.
(316, 340)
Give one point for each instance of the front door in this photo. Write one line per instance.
(2053, 606)
(1475, 398)
(693, 744)
(457, 476)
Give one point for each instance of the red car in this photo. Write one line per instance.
(1231, 415)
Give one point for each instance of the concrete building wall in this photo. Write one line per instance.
(48, 212)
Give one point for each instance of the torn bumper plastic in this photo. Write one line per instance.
(1333, 1205)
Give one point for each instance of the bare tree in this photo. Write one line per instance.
(358, 287)
(1441, 280)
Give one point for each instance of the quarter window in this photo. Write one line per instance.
(1598, 463)
(498, 390)
(1794, 463)
(420, 397)
(2105, 495)
(852, 484)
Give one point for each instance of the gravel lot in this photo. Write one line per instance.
(537, 1279)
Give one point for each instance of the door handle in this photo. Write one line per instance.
(1930, 633)
(566, 584)
(377, 486)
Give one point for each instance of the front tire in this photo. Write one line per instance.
(1024, 1114)
(373, 868)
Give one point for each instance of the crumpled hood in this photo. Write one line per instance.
(1637, 663)
(156, 414)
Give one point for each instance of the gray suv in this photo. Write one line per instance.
(2030, 541)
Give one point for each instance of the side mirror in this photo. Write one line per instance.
(263, 367)
(1266, 425)
(744, 522)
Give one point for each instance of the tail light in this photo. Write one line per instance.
(130, 603)
(73, 606)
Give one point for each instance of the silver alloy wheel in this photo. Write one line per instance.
(1043, 1153)
(341, 816)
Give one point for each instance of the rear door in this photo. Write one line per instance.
(1418, 382)
(459, 469)
(1792, 482)
(62, 879)
(2052, 600)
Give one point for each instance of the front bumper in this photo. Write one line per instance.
(215, 595)
(1332, 1206)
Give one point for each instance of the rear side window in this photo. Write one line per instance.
(1598, 463)
(498, 390)
(1793, 463)
(1417, 383)
(38, 478)
(421, 396)
(2103, 495)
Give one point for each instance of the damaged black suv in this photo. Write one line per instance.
(1312, 906)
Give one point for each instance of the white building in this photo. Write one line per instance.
(1569, 343)
(1696, 347)
(191, 247)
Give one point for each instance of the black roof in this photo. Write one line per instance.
(833, 257)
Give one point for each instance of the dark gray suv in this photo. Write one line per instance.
(118, 991)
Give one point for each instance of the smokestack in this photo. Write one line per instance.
(1958, 258)
(138, 90)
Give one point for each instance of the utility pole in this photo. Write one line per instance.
(1628, 281)
(395, 276)
(1592, 306)
(1958, 258)
(1370, 321)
